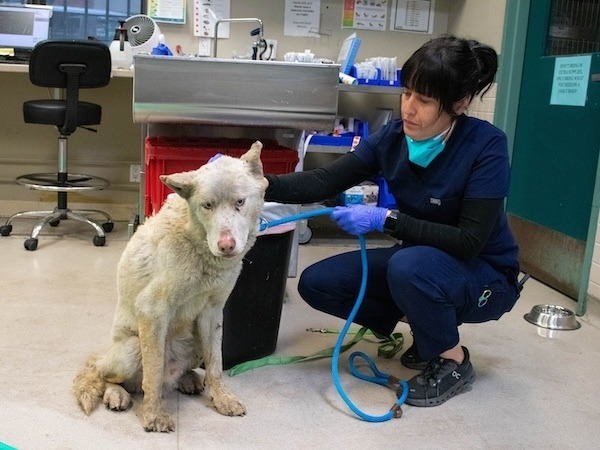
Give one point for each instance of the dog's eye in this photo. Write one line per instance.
(240, 202)
(207, 205)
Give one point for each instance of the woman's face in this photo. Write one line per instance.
(422, 117)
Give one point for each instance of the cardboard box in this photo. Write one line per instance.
(366, 193)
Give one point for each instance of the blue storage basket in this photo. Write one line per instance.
(386, 199)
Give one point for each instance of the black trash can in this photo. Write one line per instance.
(253, 311)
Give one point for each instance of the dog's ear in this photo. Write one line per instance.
(181, 183)
(252, 157)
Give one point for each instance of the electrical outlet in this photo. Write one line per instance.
(134, 173)
(204, 46)
(271, 54)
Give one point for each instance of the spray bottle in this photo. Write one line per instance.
(120, 49)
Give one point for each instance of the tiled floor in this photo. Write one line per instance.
(532, 390)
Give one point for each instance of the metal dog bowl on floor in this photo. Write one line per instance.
(552, 317)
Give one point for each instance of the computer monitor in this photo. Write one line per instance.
(22, 27)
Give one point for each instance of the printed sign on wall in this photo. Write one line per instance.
(570, 81)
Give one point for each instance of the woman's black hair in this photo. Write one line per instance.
(449, 69)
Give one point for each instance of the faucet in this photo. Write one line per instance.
(259, 34)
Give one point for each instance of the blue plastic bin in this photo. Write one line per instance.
(386, 199)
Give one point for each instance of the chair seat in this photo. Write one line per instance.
(52, 112)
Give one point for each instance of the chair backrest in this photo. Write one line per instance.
(71, 65)
(47, 57)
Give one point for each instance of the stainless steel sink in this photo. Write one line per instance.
(213, 91)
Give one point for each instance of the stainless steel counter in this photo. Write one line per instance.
(214, 91)
(259, 99)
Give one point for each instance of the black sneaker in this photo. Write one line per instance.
(440, 380)
(411, 358)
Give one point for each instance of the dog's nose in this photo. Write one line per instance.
(226, 244)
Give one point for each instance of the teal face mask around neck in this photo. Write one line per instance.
(422, 153)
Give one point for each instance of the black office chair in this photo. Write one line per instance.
(66, 66)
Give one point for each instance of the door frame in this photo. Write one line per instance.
(510, 72)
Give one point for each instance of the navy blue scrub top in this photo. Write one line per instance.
(473, 165)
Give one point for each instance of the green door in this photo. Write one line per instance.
(557, 143)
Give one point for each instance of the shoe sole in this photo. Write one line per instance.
(460, 387)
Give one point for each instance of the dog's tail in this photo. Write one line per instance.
(88, 386)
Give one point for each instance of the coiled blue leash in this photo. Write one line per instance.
(378, 376)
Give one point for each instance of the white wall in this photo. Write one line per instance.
(374, 43)
(478, 19)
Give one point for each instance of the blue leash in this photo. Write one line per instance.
(378, 376)
(293, 218)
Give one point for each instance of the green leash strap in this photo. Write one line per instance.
(388, 347)
(281, 360)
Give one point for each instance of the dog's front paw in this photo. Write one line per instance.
(229, 405)
(160, 421)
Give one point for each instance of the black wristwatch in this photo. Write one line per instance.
(390, 221)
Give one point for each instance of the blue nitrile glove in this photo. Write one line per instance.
(359, 219)
(215, 157)
(161, 49)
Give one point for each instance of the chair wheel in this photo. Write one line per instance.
(305, 235)
(31, 244)
(99, 241)
(54, 223)
(108, 227)
(5, 230)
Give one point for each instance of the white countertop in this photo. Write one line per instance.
(24, 68)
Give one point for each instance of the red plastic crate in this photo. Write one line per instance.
(167, 155)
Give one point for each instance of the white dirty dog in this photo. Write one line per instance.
(173, 279)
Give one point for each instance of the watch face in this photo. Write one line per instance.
(390, 221)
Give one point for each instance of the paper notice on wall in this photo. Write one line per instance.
(413, 15)
(365, 15)
(570, 81)
(302, 17)
(169, 11)
(206, 14)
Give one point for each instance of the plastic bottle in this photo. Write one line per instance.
(120, 49)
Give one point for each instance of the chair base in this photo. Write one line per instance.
(61, 182)
(73, 182)
(54, 217)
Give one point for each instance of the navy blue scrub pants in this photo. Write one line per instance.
(437, 292)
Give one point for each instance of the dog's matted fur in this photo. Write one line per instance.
(174, 278)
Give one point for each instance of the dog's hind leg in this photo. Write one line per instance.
(116, 397)
(211, 336)
(100, 377)
(190, 383)
(121, 364)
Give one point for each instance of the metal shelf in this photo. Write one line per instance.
(370, 89)
(339, 149)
